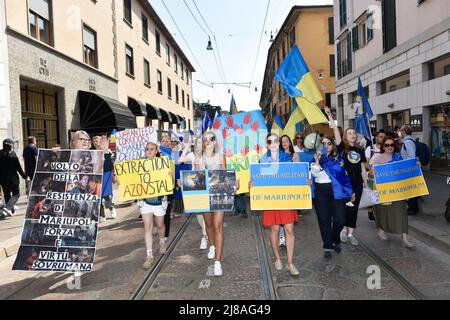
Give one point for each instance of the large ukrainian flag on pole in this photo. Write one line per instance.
(299, 83)
(277, 126)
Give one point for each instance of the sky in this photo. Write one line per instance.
(238, 27)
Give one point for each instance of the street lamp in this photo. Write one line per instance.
(209, 47)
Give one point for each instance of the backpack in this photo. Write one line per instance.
(422, 152)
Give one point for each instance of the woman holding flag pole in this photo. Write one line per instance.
(355, 160)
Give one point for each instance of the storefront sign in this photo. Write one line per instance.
(417, 123)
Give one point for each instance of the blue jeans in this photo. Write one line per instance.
(331, 215)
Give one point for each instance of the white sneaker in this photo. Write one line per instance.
(218, 269)
(282, 241)
(113, 213)
(102, 219)
(350, 204)
(353, 240)
(212, 253)
(344, 237)
(8, 212)
(204, 244)
(16, 208)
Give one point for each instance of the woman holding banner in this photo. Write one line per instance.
(153, 208)
(187, 159)
(287, 147)
(333, 189)
(277, 218)
(212, 159)
(390, 217)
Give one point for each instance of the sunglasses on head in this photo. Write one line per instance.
(270, 142)
(209, 139)
(327, 143)
(387, 145)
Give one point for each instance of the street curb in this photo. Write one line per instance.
(433, 235)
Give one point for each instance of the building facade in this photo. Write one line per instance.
(68, 67)
(153, 72)
(311, 29)
(5, 107)
(401, 52)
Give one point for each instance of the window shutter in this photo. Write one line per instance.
(330, 30)
(339, 57)
(355, 39)
(89, 38)
(349, 53)
(41, 7)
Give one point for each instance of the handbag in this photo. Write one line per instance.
(369, 198)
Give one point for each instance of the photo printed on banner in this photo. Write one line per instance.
(222, 189)
(61, 221)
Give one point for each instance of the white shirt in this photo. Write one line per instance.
(368, 151)
(320, 176)
(297, 149)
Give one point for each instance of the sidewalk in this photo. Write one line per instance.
(430, 224)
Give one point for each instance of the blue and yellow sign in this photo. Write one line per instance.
(280, 186)
(400, 181)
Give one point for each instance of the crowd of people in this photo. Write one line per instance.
(340, 170)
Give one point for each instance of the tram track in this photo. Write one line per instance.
(383, 264)
(151, 276)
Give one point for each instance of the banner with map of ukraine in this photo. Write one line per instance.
(280, 186)
(242, 138)
(400, 181)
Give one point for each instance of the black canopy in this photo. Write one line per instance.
(99, 114)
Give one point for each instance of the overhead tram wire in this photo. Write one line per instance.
(214, 38)
(189, 47)
(221, 74)
(260, 42)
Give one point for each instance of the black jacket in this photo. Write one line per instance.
(9, 167)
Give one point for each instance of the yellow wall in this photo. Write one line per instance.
(135, 87)
(68, 18)
(311, 28)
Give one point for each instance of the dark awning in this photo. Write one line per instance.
(175, 119)
(153, 112)
(165, 116)
(101, 115)
(138, 108)
(182, 122)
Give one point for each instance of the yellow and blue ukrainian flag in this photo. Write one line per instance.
(233, 106)
(299, 83)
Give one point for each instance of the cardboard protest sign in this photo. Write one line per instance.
(145, 178)
(280, 186)
(400, 181)
(61, 222)
(208, 190)
(242, 138)
(130, 144)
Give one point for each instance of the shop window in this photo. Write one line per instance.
(394, 83)
(439, 67)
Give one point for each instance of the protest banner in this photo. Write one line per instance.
(280, 186)
(130, 144)
(400, 181)
(208, 190)
(144, 178)
(241, 138)
(61, 221)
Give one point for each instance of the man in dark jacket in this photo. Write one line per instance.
(9, 179)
